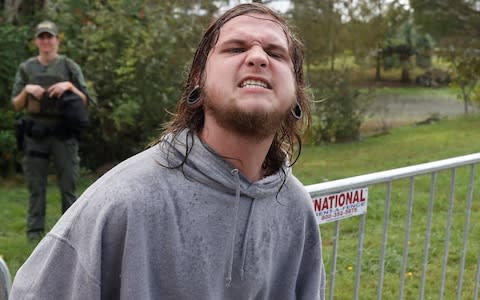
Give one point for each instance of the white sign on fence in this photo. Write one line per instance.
(341, 205)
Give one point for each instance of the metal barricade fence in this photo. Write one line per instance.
(430, 226)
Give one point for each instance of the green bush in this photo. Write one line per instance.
(134, 65)
(391, 62)
(13, 50)
(8, 144)
(338, 114)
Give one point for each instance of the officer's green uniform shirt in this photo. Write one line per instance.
(62, 69)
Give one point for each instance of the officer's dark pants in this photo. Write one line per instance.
(38, 153)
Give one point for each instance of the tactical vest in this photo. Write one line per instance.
(45, 76)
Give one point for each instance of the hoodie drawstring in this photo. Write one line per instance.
(228, 279)
(245, 239)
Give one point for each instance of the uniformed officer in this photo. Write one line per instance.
(41, 82)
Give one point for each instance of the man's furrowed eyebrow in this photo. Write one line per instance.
(243, 42)
(276, 47)
(233, 41)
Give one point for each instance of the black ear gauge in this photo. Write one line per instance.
(297, 112)
(194, 96)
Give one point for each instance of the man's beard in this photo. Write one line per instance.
(256, 124)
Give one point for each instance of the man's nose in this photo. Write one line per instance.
(257, 57)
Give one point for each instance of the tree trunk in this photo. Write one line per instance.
(405, 64)
(466, 98)
(10, 11)
(331, 38)
(405, 75)
(332, 60)
(307, 69)
(378, 75)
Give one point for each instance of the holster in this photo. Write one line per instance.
(20, 133)
(38, 130)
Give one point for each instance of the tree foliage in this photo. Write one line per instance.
(340, 111)
(135, 54)
(11, 37)
(456, 27)
(135, 66)
(447, 20)
(319, 23)
(368, 25)
(405, 42)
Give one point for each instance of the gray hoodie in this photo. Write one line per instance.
(149, 229)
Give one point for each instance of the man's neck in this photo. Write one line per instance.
(47, 57)
(245, 153)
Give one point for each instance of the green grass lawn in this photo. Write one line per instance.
(14, 246)
(404, 146)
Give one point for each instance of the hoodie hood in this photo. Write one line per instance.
(200, 163)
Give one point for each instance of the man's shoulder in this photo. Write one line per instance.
(295, 185)
(135, 180)
(140, 170)
(294, 189)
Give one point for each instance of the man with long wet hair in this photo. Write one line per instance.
(211, 211)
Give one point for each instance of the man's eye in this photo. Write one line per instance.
(236, 50)
(275, 55)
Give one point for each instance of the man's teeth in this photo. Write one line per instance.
(253, 83)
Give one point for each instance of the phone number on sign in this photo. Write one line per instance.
(328, 215)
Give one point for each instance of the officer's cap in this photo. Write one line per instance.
(46, 26)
